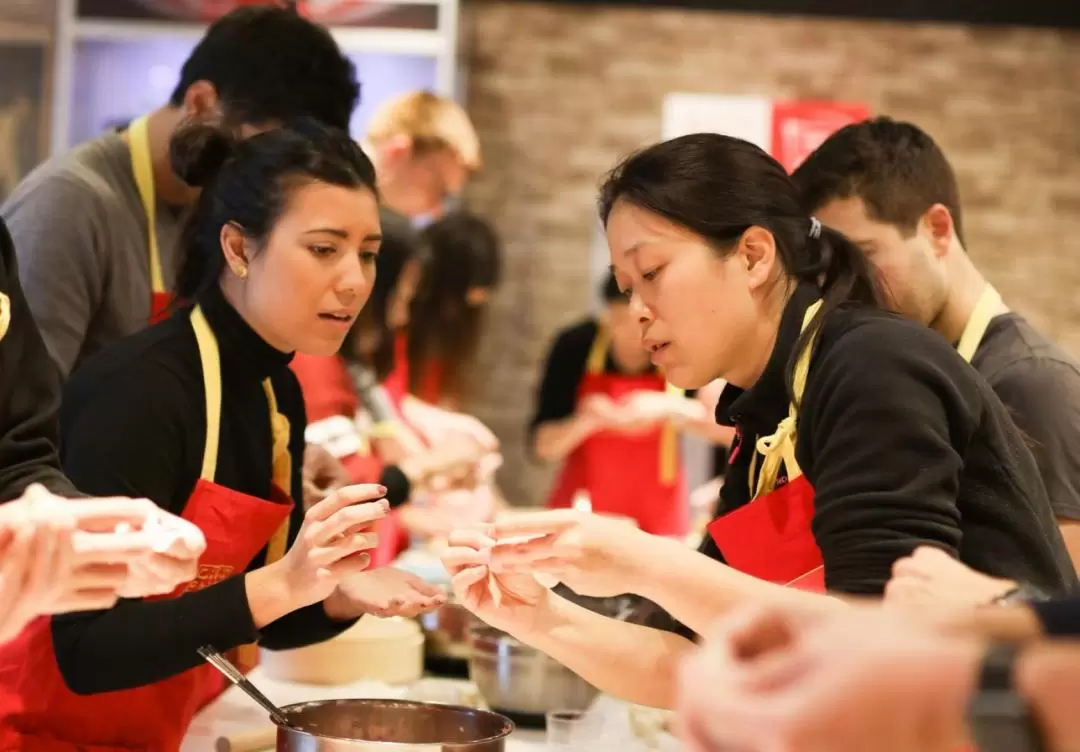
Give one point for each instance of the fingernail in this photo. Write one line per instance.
(382, 490)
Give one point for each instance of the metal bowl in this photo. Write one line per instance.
(372, 725)
(520, 680)
(446, 630)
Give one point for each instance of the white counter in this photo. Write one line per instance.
(234, 712)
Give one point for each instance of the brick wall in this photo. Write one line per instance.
(559, 94)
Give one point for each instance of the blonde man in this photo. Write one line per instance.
(424, 148)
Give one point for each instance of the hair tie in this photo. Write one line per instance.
(815, 228)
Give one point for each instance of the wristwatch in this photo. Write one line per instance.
(1022, 593)
(998, 717)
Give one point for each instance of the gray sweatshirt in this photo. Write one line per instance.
(80, 234)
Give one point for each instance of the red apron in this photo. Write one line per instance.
(37, 710)
(397, 382)
(141, 166)
(636, 476)
(771, 537)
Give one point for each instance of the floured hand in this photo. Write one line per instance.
(175, 546)
(386, 591)
(592, 554)
(510, 602)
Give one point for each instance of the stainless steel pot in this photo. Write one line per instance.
(390, 726)
(446, 630)
(517, 679)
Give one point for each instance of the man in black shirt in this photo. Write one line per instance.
(888, 187)
(29, 392)
(39, 522)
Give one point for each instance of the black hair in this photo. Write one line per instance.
(269, 64)
(610, 289)
(719, 187)
(895, 168)
(397, 249)
(464, 254)
(247, 183)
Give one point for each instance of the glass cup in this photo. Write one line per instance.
(566, 730)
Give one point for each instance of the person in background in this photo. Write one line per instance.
(201, 415)
(606, 413)
(97, 228)
(424, 148)
(889, 187)
(463, 269)
(389, 448)
(860, 435)
(855, 679)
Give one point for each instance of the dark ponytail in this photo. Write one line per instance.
(197, 153)
(718, 187)
(247, 183)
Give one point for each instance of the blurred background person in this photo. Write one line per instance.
(607, 414)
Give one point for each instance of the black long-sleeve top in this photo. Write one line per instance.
(29, 394)
(133, 422)
(1060, 618)
(905, 445)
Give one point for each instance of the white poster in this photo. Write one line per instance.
(748, 118)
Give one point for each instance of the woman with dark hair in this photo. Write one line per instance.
(609, 416)
(860, 435)
(464, 267)
(201, 415)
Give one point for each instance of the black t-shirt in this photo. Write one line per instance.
(133, 423)
(29, 394)
(1040, 385)
(564, 367)
(1060, 618)
(556, 395)
(905, 446)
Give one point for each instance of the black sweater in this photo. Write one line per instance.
(29, 394)
(905, 445)
(133, 423)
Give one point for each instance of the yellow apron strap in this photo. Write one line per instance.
(210, 357)
(142, 167)
(598, 352)
(669, 445)
(282, 470)
(5, 314)
(780, 445)
(987, 307)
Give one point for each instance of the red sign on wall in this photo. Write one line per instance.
(800, 127)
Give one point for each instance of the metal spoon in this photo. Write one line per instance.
(233, 674)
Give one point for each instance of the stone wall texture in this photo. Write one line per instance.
(559, 94)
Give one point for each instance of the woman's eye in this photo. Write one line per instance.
(369, 257)
(323, 250)
(650, 276)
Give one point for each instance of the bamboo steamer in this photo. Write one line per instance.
(383, 650)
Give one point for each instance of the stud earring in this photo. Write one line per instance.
(242, 272)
